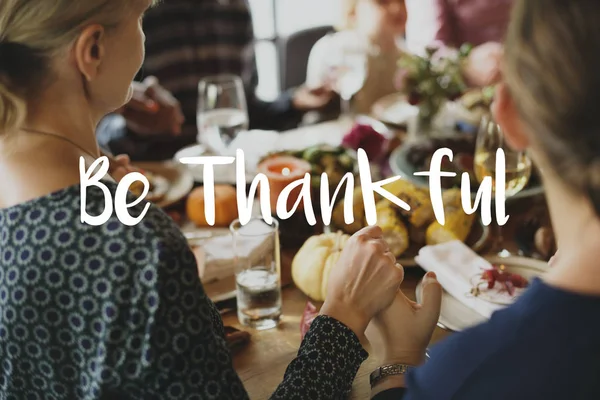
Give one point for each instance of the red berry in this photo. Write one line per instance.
(414, 99)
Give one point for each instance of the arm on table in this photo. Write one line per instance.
(326, 364)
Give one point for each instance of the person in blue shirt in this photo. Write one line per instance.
(546, 345)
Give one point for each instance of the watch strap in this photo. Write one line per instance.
(388, 370)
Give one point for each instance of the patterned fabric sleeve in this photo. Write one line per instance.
(326, 365)
(183, 352)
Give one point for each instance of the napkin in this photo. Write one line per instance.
(456, 267)
(255, 144)
(220, 257)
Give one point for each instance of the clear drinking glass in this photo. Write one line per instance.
(517, 165)
(222, 111)
(257, 272)
(350, 75)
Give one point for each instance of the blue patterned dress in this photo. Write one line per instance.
(118, 312)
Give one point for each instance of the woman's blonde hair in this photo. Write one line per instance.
(32, 32)
(552, 69)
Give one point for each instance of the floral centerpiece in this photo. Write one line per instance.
(430, 80)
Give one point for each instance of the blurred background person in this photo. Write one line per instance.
(187, 40)
(471, 21)
(361, 59)
(453, 23)
(456, 22)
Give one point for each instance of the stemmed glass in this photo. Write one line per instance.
(517, 165)
(350, 75)
(222, 111)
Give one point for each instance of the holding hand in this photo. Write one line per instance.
(152, 110)
(400, 334)
(306, 99)
(120, 166)
(364, 281)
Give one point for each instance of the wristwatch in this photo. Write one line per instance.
(388, 370)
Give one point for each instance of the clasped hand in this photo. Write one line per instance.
(363, 292)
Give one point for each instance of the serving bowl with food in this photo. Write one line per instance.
(335, 161)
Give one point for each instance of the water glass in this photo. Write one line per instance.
(257, 272)
(222, 111)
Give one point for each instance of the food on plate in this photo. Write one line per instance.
(313, 262)
(364, 136)
(336, 161)
(509, 281)
(394, 230)
(358, 210)
(457, 224)
(406, 231)
(226, 210)
(421, 211)
(158, 186)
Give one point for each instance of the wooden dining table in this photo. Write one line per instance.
(262, 362)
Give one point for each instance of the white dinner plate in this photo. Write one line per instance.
(455, 316)
(394, 110)
(173, 177)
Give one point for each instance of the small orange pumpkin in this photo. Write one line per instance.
(225, 206)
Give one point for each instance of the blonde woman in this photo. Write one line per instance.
(116, 311)
(546, 345)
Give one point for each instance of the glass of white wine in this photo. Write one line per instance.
(518, 165)
(350, 74)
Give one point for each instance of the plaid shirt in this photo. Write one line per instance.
(187, 40)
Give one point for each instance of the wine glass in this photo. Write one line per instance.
(222, 111)
(350, 74)
(518, 165)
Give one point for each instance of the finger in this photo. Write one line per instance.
(380, 246)
(432, 297)
(399, 273)
(553, 259)
(150, 81)
(122, 159)
(142, 104)
(413, 304)
(390, 256)
(371, 231)
(151, 92)
(141, 117)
